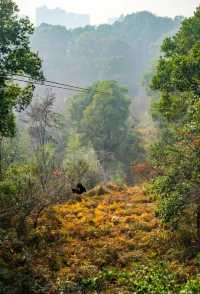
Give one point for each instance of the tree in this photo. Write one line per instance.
(16, 57)
(102, 119)
(105, 118)
(16, 150)
(43, 122)
(127, 49)
(33, 184)
(81, 164)
(178, 112)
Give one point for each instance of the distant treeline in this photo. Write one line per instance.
(122, 51)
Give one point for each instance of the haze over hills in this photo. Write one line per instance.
(59, 16)
(123, 51)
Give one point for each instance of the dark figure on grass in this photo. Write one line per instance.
(80, 189)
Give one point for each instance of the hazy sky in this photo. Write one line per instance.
(101, 10)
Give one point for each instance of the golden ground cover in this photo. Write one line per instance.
(117, 229)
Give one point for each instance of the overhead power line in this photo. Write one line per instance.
(47, 83)
(44, 84)
(56, 83)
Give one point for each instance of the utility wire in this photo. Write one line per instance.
(48, 85)
(45, 84)
(58, 85)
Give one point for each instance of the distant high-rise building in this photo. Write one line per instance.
(59, 16)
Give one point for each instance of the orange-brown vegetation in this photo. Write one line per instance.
(144, 171)
(116, 229)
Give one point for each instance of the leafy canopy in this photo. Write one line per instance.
(102, 119)
(15, 57)
(178, 109)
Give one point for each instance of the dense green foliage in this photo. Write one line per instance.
(178, 110)
(102, 119)
(15, 57)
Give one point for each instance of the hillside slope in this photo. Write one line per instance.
(122, 51)
(110, 243)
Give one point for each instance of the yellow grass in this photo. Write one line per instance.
(115, 229)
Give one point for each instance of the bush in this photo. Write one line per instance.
(142, 280)
(81, 163)
(191, 287)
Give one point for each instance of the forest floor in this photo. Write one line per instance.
(107, 232)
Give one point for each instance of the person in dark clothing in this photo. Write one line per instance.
(80, 189)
